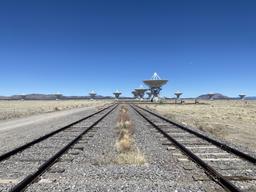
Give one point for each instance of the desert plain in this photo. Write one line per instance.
(19, 108)
(230, 120)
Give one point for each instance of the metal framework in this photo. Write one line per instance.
(141, 92)
(155, 84)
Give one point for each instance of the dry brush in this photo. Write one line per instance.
(128, 152)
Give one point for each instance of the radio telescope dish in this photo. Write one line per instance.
(155, 84)
(178, 94)
(58, 96)
(141, 91)
(155, 81)
(117, 94)
(23, 96)
(92, 94)
(242, 96)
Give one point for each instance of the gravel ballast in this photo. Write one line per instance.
(91, 164)
(17, 132)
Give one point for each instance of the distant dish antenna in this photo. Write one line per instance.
(141, 92)
(155, 85)
(92, 94)
(242, 96)
(211, 95)
(23, 96)
(58, 96)
(117, 93)
(178, 94)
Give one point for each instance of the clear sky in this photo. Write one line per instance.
(74, 46)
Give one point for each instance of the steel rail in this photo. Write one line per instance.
(27, 145)
(30, 178)
(221, 145)
(216, 176)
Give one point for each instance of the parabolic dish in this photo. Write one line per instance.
(178, 93)
(155, 83)
(141, 90)
(117, 92)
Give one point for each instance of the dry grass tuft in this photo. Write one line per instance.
(125, 143)
(18, 108)
(131, 158)
(231, 120)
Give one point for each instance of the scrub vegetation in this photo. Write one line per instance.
(231, 120)
(17, 109)
(128, 153)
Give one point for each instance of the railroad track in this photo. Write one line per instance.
(234, 170)
(21, 166)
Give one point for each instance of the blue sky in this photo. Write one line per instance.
(72, 47)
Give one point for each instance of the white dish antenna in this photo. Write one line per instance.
(242, 96)
(92, 94)
(155, 84)
(155, 81)
(141, 91)
(178, 94)
(117, 93)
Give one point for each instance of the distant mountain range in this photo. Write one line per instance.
(49, 97)
(220, 97)
(216, 96)
(62, 97)
(251, 98)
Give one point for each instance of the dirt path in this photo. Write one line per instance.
(19, 131)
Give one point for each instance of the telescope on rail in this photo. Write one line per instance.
(58, 96)
(117, 94)
(23, 96)
(92, 94)
(141, 92)
(155, 86)
(242, 96)
(178, 94)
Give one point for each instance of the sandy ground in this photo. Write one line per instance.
(14, 132)
(234, 121)
(17, 109)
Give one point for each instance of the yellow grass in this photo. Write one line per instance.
(131, 158)
(234, 121)
(16, 109)
(128, 153)
(124, 142)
